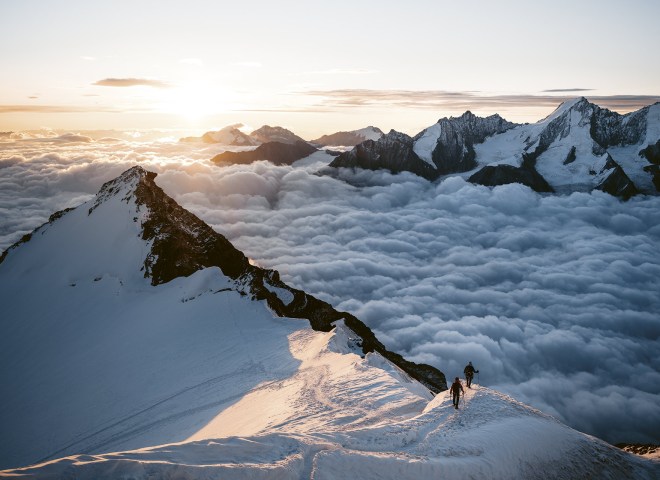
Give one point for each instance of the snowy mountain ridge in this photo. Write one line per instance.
(131, 326)
(229, 135)
(349, 138)
(579, 147)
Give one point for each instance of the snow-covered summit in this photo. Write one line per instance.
(267, 134)
(229, 135)
(448, 146)
(349, 138)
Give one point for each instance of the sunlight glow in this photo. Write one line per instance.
(194, 101)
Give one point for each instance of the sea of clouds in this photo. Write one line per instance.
(555, 299)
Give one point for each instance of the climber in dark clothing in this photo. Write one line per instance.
(469, 372)
(456, 389)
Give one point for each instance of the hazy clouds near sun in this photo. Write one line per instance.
(554, 298)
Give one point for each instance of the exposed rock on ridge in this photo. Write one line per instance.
(393, 152)
(454, 148)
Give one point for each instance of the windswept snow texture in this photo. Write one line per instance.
(490, 436)
(553, 298)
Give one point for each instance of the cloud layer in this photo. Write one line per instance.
(553, 298)
(461, 101)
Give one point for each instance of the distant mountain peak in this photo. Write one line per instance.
(349, 138)
(266, 134)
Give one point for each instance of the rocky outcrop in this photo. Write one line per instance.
(267, 134)
(393, 152)
(493, 175)
(609, 128)
(456, 137)
(616, 182)
(447, 147)
(275, 152)
(652, 154)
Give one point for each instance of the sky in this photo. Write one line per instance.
(315, 67)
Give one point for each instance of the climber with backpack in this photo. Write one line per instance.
(455, 390)
(469, 372)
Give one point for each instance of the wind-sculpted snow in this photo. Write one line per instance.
(491, 436)
(553, 298)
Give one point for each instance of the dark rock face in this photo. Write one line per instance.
(344, 138)
(268, 134)
(617, 182)
(493, 175)
(654, 171)
(570, 158)
(454, 150)
(609, 128)
(393, 152)
(182, 244)
(275, 152)
(651, 153)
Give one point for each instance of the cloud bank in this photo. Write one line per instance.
(131, 82)
(553, 298)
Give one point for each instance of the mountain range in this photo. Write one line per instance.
(130, 326)
(579, 147)
(232, 135)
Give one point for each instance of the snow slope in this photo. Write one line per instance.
(193, 378)
(490, 436)
(425, 144)
(571, 158)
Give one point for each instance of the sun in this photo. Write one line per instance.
(194, 101)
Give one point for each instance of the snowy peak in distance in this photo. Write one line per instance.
(266, 134)
(349, 138)
(448, 146)
(230, 135)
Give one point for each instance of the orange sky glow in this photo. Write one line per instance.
(314, 68)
